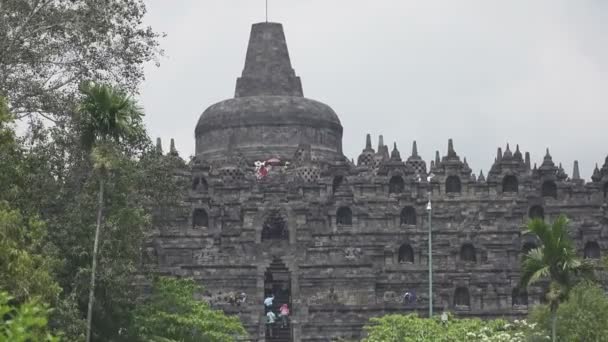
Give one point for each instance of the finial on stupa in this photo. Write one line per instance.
(159, 146)
(368, 142)
(499, 155)
(172, 149)
(464, 161)
(414, 149)
(547, 161)
(380, 143)
(517, 154)
(451, 151)
(481, 177)
(395, 155)
(508, 153)
(527, 161)
(576, 175)
(268, 70)
(437, 160)
(597, 176)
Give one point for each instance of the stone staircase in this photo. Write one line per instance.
(280, 276)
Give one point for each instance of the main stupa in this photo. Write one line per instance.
(269, 117)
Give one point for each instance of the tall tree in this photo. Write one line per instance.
(47, 47)
(109, 116)
(555, 260)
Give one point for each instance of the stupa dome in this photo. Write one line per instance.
(269, 116)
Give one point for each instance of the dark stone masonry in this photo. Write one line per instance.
(342, 242)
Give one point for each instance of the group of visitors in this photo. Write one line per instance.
(271, 317)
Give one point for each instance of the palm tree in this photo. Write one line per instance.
(109, 116)
(555, 260)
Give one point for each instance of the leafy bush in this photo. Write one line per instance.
(583, 317)
(25, 323)
(172, 314)
(411, 328)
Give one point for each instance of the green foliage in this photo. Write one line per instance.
(555, 260)
(172, 314)
(25, 323)
(26, 261)
(108, 114)
(583, 317)
(411, 328)
(48, 47)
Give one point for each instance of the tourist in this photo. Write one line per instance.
(284, 314)
(268, 302)
(270, 319)
(242, 299)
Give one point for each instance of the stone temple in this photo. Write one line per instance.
(339, 241)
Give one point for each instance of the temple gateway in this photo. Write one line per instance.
(271, 205)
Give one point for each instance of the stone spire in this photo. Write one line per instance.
(172, 149)
(366, 158)
(499, 155)
(517, 155)
(464, 161)
(481, 177)
(380, 143)
(508, 154)
(597, 176)
(395, 155)
(368, 142)
(159, 146)
(437, 160)
(548, 160)
(575, 172)
(527, 161)
(451, 152)
(268, 69)
(561, 173)
(415, 162)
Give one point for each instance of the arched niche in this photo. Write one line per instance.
(275, 227)
(528, 246)
(468, 253)
(452, 185)
(519, 297)
(337, 184)
(396, 185)
(536, 212)
(461, 297)
(344, 216)
(592, 250)
(510, 184)
(199, 184)
(200, 218)
(549, 189)
(408, 216)
(406, 254)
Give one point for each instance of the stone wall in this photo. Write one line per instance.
(341, 274)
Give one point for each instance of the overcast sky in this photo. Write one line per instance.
(533, 73)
